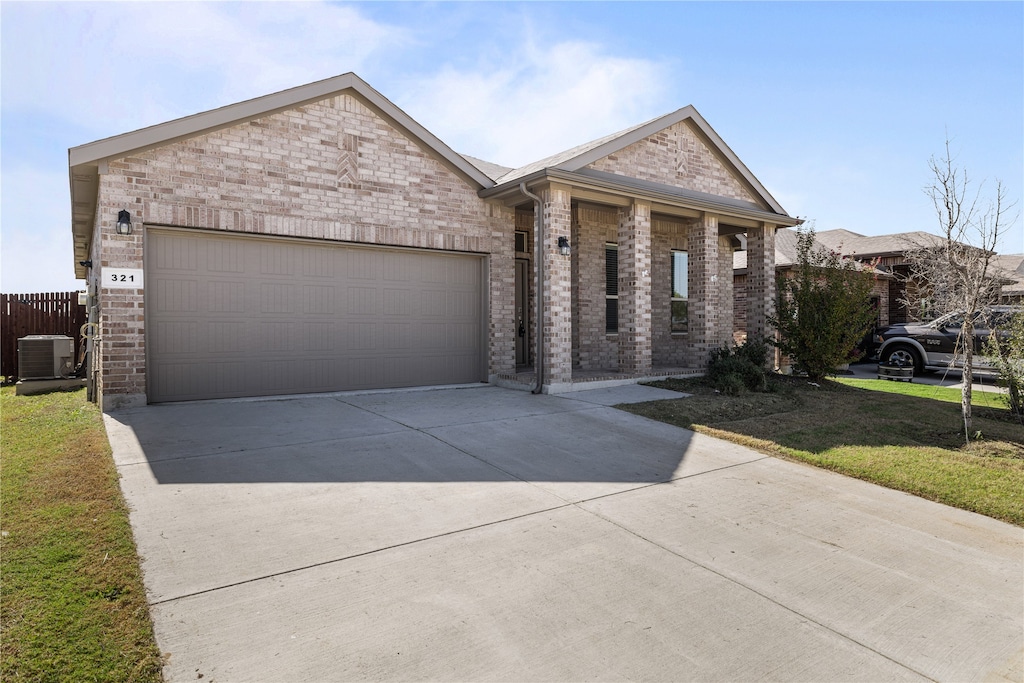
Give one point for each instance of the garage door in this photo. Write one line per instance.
(255, 316)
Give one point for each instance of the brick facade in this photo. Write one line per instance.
(634, 247)
(342, 170)
(594, 348)
(557, 292)
(675, 156)
(333, 170)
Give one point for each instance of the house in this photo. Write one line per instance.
(889, 252)
(1011, 269)
(320, 239)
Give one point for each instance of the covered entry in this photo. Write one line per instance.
(233, 315)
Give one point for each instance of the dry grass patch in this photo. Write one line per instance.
(912, 443)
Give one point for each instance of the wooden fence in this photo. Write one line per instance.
(25, 314)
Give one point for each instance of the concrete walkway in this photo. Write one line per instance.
(489, 534)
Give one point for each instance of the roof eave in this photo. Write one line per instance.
(511, 190)
(240, 112)
(84, 160)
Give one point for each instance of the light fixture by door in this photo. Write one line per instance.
(124, 223)
(563, 246)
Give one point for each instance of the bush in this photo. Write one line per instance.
(1008, 360)
(823, 309)
(733, 370)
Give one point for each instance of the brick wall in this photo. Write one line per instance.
(760, 282)
(557, 293)
(705, 302)
(595, 349)
(331, 170)
(676, 156)
(634, 264)
(667, 349)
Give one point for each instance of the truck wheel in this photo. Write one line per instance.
(904, 355)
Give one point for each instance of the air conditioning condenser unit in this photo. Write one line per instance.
(46, 356)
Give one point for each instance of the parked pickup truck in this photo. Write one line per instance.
(933, 344)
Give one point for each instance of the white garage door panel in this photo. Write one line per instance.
(250, 316)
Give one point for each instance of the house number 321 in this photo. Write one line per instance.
(122, 278)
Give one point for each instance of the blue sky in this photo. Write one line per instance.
(835, 107)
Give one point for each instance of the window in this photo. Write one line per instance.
(680, 302)
(611, 288)
(522, 241)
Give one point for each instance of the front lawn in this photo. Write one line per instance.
(73, 606)
(911, 443)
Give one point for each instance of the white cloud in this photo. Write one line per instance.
(538, 101)
(83, 71)
(115, 67)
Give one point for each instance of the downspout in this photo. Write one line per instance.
(538, 249)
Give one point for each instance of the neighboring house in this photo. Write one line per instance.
(889, 251)
(1011, 269)
(319, 239)
(785, 258)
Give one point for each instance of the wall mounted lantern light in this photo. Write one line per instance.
(563, 246)
(124, 223)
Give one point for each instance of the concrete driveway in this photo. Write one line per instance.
(489, 534)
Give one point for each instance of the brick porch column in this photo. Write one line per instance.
(726, 316)
(760, 279)
(705, 323)
(557, 295)
(634, 240)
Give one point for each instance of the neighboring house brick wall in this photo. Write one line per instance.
(675, 156)
(331, 170)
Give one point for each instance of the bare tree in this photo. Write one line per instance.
(957, 271)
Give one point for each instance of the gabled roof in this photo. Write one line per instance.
(86, 160)
(787, 252)
(493, 171)
(1010, 268)
(576, 160)
(853, 244)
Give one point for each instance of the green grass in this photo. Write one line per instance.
(73, 606)
(905, 436)
(984, 399)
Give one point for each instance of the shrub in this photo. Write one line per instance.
(1008, 360)
(823, 309)
(733, 370)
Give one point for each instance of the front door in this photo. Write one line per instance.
(522, 312)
